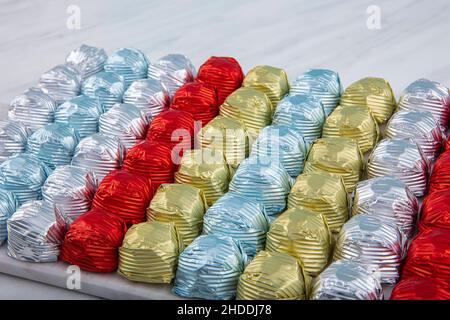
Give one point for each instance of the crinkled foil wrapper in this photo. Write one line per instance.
(71, 189)
(36, 232)
(227, 135)
(283, 144)
(389, 199)
(13, 138)
(100, 154)
(81, 113)
(129, 63)
(303, 234)
(374, 93)
(181, 204)
(207, 172)
(354, 122)
(173, 70)
(126, 122)
(210, 268)
(323, 193)
(348, 280)
(418, 288)
(53, 144)
(149, 95)
(62, 83)
(33, 108)
(23, 175)
(251, 106)
(322, 84)
(87, 59)
(421, 127)
(270, 80)
(426, 95)
(302, 113)
(337, 155)
(107, 87)
(370, 240)
(242, 219)
(273, 276)
(8, 205)
(264, 181)
(403, 159)
(149, 252)
(440, 176)
(435, 210)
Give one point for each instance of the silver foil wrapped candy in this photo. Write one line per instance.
(8, 205)
(403, 159)
(88, 60)
(62, 83)
(107, 87)
(13, 138)
(131, 64)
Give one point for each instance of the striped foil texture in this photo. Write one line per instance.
(8, 205)
(87, 59)
(107, 87)
(13, 138)
(62, 83)
(129, 63)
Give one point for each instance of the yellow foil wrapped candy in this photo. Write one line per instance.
(354, 122)
(375, 93)
(337, 155)
(273, 276)
(323, 193)
(270, 80)
(227, 135)
(181, 204)
(207, 170)
(303, 234)
(149, 252)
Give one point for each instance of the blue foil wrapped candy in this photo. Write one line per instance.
(88, 60)
(8, 205)
(107, 87)
(13, 138)
(62, 83)
(209, 268)
(131, 64)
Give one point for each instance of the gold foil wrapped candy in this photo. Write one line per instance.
(354, 122)
(205, 170)
(273, 276)
(337, 155)
(303, 234)
(323, 193)
(181, 204)
(375, 93)
(270, 80)
(149, 252)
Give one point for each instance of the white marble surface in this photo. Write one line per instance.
(294, 34)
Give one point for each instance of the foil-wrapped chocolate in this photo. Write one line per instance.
(347, 280)
(23, 175)
(182, 204)
(81, 113)
(149, 95)
(209, 268)
(337, 155)
(129, 63)
(440, 176)
(149, 252)
(354, 122)
(403, 159)
(33, 108)
(241, 218)
(389, 199)
(87, 59)
(100, 154)
(370, 240)
(273, 276)
(374, 93)
(62, 83)
(270, 80)
(251, 106)
(435, 210)
(302, 113)
(324, 193)
(206, 171)
(106, 87)
(322, 84)
(173, 70)
(126, 122)
(8, 205)
(13, 138)
(262, 180)
(71, 189)
(303, 234)
(421, 127)
(418, 288)
(426, 95)
(36, 232)
(283, 144)
(53, 144)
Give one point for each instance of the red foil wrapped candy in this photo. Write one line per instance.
(435, 210)
(417, 288)
(440, 177)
